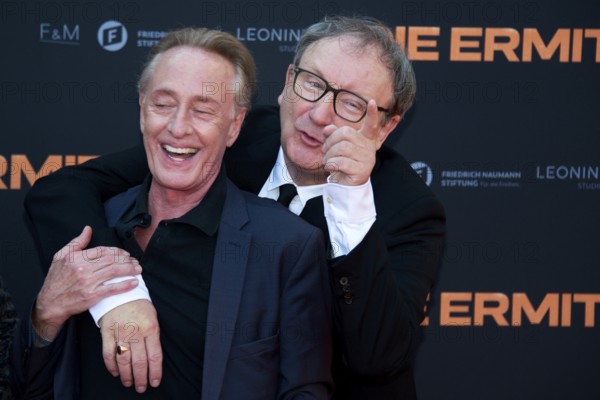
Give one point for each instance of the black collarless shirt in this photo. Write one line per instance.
(177, 268)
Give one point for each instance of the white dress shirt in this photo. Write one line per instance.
(349, 210)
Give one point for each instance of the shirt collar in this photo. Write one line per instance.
(205, 216)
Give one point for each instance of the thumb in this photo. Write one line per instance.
(370, 127)
(80, 242)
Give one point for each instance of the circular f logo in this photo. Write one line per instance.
(112, 36)
(423, 170)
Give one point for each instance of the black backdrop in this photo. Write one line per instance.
(506, 128)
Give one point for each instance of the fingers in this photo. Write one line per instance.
(109, 270)
(367, 134)
(100, 256)
(370, 128)
(73, 283)
(135, 366)
(108, 349)
(155, 358)
(96, 258)
(349, 155)
(139, 365)
(89, 280)
(124, 365)
(328, 132)
(124, 353)
(111, 289)
(143, 364)
(135, 325)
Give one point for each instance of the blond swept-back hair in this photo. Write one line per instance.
(214, 41)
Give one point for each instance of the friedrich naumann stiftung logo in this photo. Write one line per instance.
(423, 170)
(112, 36)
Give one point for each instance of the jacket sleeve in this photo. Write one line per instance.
(59, 205)
(305, 333)
(380, 290)
(33, 368)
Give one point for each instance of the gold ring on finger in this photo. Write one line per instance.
(121, 349)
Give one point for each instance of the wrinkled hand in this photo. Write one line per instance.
(350, 153)
(75, 282)
(135, 325)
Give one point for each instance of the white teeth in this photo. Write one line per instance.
(184, 150)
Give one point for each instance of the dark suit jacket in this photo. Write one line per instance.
(386, 278)
(268, 326)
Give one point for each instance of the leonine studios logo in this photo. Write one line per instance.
(587, 177)
(112, 36)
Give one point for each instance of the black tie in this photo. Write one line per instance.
(286, 194)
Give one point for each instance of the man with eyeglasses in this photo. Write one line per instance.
(347, 89)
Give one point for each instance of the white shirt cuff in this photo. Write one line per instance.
(140, 292)
(350, 213)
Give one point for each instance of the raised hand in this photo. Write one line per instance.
(349, 154)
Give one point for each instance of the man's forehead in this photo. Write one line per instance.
(329, 53)
(193, 73)
(198, 60)
(347, 44)
(341, 60)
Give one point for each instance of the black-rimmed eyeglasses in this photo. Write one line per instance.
(347, 105)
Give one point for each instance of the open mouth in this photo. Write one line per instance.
(310, 140)
(179, 153)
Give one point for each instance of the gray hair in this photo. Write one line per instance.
(368, 32)
(215, 41)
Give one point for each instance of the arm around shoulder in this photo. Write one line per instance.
(59, 205)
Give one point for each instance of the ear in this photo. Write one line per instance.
(289, 80)
(386, 129)
(142, 115)
(236, 126)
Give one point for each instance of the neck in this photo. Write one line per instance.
(165, 203)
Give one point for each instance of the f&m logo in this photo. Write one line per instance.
(112, 36)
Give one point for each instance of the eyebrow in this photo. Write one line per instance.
(169, 92)
(335, 85)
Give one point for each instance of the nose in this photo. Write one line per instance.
(322, 112)
(179, 123)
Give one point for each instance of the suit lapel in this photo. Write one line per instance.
(227, 285)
